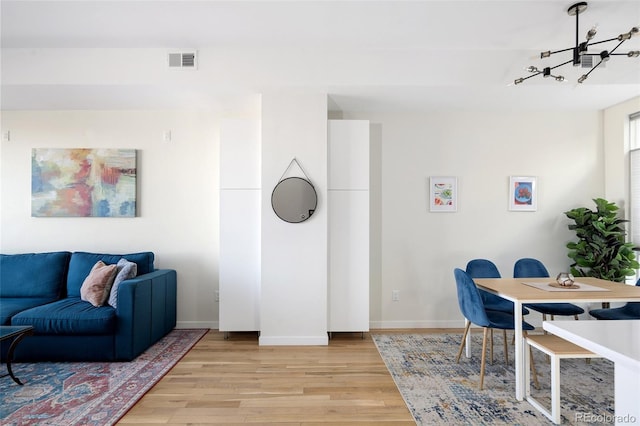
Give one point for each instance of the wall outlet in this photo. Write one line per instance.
(217, 296)
(395, 295)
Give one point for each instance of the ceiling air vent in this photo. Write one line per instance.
(185, 60)
(588, 61)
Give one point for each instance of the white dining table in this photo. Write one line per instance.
(590, 290)
(618, 341)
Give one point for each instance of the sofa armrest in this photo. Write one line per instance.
(146, 312)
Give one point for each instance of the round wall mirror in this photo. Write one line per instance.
(294, 199)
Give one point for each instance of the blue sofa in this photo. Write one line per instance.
(43, 290)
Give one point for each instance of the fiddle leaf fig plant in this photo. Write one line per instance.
(601, 250)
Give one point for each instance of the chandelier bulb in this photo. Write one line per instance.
(626, 36)
(518, 80)
(559, 78)
(545, 54)
(634, 54)
(592, 32)
(582, 79)
(532, 69)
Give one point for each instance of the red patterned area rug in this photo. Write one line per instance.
(91, 393)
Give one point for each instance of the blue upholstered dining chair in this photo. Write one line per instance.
(474, 311)
(533, 268)
(483, 268)
(630, 311)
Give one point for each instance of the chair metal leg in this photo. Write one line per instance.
(464, 338)
(484, 354)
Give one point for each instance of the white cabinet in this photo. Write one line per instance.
(348, 225)
(240, 215)
(241, 222)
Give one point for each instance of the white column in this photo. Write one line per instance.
(293, 302)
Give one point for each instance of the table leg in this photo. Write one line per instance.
(626, 391)
(12, 348)
(519, 352)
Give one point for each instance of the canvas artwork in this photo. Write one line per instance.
(83, 182)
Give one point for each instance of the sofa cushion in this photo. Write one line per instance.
(95, 288)
(82, 262)
(68, 316)
(9, 306)
(126, 271)
(38, 275)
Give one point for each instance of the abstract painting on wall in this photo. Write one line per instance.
(83, 182)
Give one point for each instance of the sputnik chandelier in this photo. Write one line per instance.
(580, 50)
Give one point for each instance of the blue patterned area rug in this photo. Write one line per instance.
(94, 393)
(439, 391)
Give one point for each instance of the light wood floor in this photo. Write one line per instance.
(236, 381)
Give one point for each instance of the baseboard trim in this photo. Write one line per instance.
(197, 324)
(417, 324)
(320, 340)
(294, 340)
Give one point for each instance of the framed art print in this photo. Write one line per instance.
(81, 182)
(443, 194)
(523, 194)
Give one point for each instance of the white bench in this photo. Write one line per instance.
(557, 348)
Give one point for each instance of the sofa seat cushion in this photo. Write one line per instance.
(9, 306)
(70, 316)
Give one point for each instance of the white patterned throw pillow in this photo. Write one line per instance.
(126, 270)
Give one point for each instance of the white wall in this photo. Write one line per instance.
(419, 249)
(177, 194)
(412, 251)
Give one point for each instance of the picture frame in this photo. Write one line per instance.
(83, 182)
(443, 193)
(523, 193)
